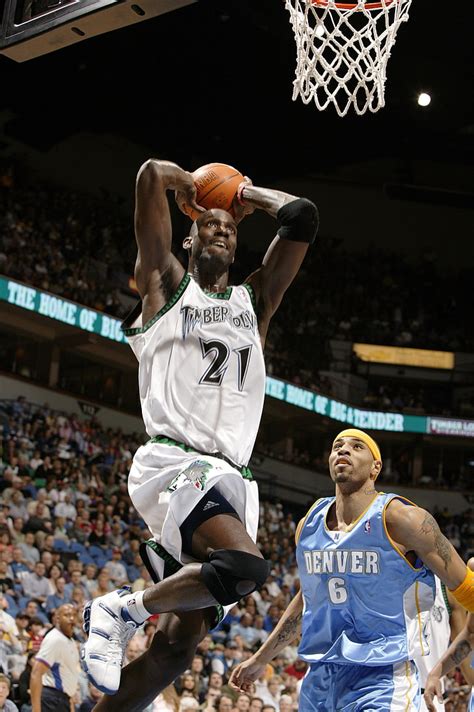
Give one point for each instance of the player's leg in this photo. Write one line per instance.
(171, 652)
(232, 568)
(223, 533)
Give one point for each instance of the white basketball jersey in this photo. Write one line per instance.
(201, 370)
(437, 630)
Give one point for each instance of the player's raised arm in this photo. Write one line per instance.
(298, 224)
(285, 632)
(157, 271)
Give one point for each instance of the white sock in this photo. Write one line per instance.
(135, 607)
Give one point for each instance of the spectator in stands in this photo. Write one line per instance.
(297, 669)
(242, 703)
(24, 684)
(286, 704)
(271, 696)
(36, 585)
(18, 508)
(35, 629)
(133, 650)
(260, 633)
(272, 618)
(55, 571)
(6, 705)
(17, 535)
(187, 685)
(104, 584)
(18, 564)
(6, 580)
(55, 600)
(30, 552)
(65, 509)
(75, 581)
(245, 629)
(224, 703)
(7, 622)
(88, 579)
(116, 569)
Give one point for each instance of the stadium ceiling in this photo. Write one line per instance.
(213, 81)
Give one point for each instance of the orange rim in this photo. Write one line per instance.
(352, 5)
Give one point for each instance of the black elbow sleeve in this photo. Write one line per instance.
(298, 221)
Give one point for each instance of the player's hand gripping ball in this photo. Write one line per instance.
(216, 187)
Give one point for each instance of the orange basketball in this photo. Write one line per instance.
(216, 186)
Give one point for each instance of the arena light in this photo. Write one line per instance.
(424, 99)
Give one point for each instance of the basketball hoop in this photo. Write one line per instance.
(342, 51)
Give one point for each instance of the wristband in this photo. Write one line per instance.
(464, 593)
(240, 191)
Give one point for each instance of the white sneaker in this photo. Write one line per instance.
(110, 628)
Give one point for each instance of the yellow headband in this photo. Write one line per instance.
(370, 442)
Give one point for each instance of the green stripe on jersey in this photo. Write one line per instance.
(169, 304)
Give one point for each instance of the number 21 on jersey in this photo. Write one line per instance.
(220, 354)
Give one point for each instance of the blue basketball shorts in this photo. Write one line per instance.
(359, 688)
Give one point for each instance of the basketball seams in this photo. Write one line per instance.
(215, 187)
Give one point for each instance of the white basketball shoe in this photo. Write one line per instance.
(110, 627)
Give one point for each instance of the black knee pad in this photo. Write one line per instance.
(230, 574)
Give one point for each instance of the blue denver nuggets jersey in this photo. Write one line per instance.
(362, 599)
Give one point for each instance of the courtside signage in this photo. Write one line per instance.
(342, 412)
(451, 426)
(60, 309)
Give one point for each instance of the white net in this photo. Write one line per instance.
(342, 53)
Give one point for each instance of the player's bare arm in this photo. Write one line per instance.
(157, 272)
(459, 652)
(285, 632)
(415, 529)
(460, 649)
(457, 622)
(298, 219)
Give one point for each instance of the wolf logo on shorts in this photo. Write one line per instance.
(196, 473)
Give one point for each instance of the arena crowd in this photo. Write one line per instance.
(68, 533)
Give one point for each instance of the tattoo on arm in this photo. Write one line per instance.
(442, 545)
(462, 651)
(288, 631)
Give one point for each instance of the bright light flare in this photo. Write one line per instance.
(424, 99)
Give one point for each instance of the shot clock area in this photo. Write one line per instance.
(31, 9)
(32, 28)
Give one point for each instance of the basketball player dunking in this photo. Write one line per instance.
(366, 561)
(202, 383)
(458, 654)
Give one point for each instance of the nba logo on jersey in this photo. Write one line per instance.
(367, 526)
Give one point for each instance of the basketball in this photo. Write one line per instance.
(216, 186)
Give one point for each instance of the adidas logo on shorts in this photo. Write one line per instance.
(210, 504)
